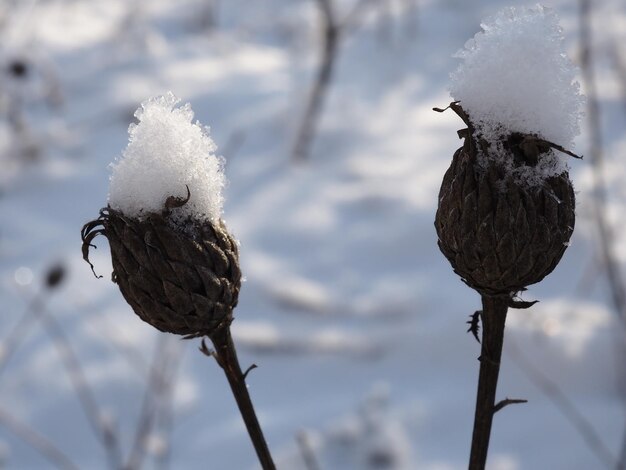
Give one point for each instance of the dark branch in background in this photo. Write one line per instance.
(209, 17)
(563, 404)
(332, 32)
(38, 442)
(607, 243)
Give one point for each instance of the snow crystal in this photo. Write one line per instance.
(515, 77)
(167, 153)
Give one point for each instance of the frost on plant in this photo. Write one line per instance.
(516, 78)
(166, 154)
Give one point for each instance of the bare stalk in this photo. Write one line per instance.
(493, 318)
(226, 356)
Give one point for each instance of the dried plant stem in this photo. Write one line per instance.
(226, 356)
(493, 318)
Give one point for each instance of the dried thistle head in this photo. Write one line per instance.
(180, 280)
(499, 234)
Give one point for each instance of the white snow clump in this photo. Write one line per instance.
(516, 77)
(167, 153)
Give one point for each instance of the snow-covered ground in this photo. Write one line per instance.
(355, 319)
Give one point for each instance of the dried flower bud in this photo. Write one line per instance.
(182, 281)
(18, 68)
(55, 276)
(499, 234)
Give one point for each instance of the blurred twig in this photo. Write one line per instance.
(412, 18)
(46, 448)
(619, 67)
(166, 417)
(563, 404)
(112, 333)
(37, 310)
(164, 365)
(18, 333)
(86, 397)
(306, 449)
(599, 201)
(607, 243)
(333, 30)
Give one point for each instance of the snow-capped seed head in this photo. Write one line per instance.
(167, 156)
(516, 78)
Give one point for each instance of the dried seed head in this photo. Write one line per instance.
(499, 234)
(182, 281)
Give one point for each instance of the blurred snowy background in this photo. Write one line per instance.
(355, 319)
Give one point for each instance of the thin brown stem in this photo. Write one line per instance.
(226, 356)
(493, 318)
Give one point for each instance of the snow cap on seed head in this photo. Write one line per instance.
(166, 154)
(516, 77)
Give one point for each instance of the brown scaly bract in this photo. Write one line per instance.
(183, 282)
(498, 235)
